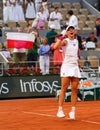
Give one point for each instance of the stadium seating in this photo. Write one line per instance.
(56, 4)
(82, 61)
(81, 24)
(51, 9)
(76, 5)
(11, 25)
(1, 23)
(66, 5)
(64, 12)
(98, 45)
(92, 17)
(84, 11)
(91, 24)
(82, 17)
(94, 61)
(23, 24)
(1, 14)
(75, 11)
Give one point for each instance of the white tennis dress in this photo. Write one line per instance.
(69, 66)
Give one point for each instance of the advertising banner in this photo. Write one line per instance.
(28, 86)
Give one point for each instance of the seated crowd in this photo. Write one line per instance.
(42, 56)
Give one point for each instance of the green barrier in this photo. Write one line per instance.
(84, 94)
(98, 93)
(88, 94)
(28, 86)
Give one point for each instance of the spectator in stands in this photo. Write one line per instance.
(55, 18)
(72, 19)
(50, 35)
(57, 57)
(17, 11)
(7, 10)
(20, 10)
(92, 38)
(98, 27)
(58, 53)
(44, 56)
(38, 3)
(78, 37)
(30, 11)
(6, 53)
(32, 55)
(42, 17)
(45, 4)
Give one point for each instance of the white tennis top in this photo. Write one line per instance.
(70, 63)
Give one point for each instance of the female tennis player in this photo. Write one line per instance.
(70, 72)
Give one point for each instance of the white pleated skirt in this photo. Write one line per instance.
(70, 70)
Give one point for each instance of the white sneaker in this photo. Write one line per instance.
(60, 114)
(72, 115)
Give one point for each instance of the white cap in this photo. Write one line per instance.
(67, 29)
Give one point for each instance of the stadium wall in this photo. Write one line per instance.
(92, 2)
(89, 5)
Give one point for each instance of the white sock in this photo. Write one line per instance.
(73, 109)
(60, 108)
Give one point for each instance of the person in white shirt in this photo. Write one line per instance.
(73, 20)
(55, 18)
(45, 4)
(5, 53)
(38, 3)
(30, 10)
(7, 10)
(20, 10)
(42, 17)
(17, 11)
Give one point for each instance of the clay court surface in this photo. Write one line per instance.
(40, 114)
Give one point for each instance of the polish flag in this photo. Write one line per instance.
(20, 40)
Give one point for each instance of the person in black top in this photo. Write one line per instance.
(98, 27)
(98, 4)
(78, 37)
(92, 38)
(1, 36)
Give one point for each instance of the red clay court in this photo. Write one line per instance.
(40, 114)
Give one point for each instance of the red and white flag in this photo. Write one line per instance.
(20, 40)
